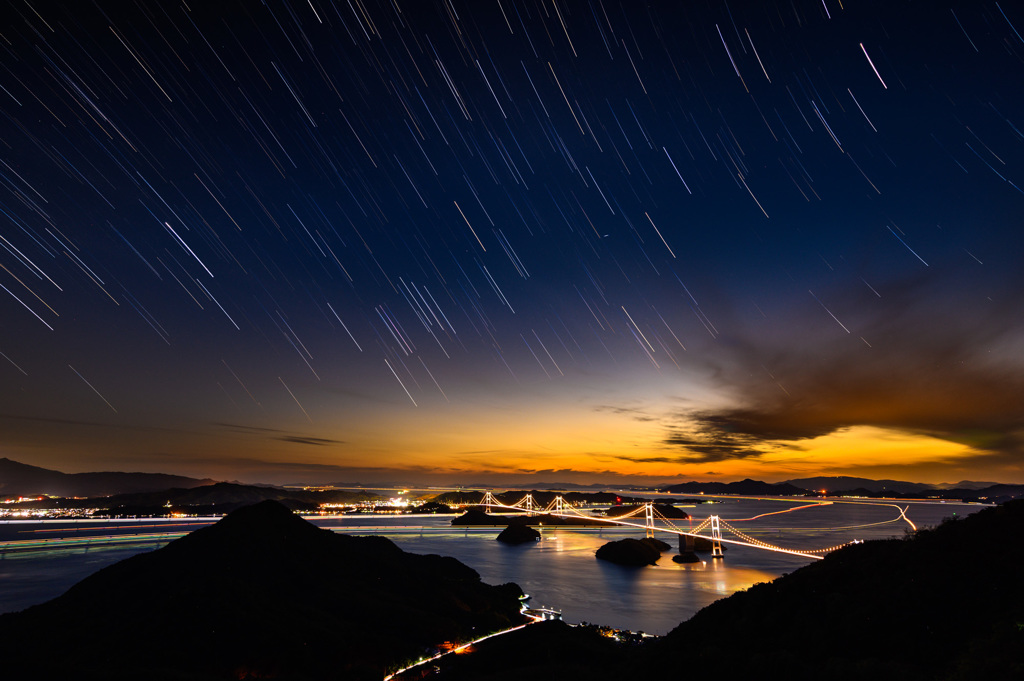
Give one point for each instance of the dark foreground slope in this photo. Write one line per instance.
(547, 651)
(261, 594)
(946, 604)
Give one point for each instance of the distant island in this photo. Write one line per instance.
(21, 479)
(26, 489)
(215, 498)
(992, 493)
(665, 509)
(475, 516)
(632, 552)
(518, 533)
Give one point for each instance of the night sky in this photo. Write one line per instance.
(503, 241)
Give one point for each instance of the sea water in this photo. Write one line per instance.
(559, 571)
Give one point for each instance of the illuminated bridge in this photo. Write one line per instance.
(719, 531)
(648, 518)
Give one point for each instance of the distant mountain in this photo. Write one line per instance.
(996, 494)
(746, 487)
(260, 594)
(992, 493)
(966, 484)
(241, 495)
(850, 486)
(841, 483)
(20, 479)
(215, 499)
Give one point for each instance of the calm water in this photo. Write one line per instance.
(560, 571)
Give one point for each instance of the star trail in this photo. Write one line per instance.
(441, 241)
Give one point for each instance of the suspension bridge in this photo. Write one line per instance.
(654, 521)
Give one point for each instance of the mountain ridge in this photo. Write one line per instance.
(22, 479)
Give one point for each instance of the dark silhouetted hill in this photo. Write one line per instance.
(630, 552)
(665, 510)
(475, 516)
(20, 479)
(214, 499)
(260, 594)
(994, 494)
(748, 487)
(839, 483)
(549, 650)
(861, 487)
(947, 603)
(225, 497)
(518, 533)
(985, 492)
(433, 507)
(965, 484)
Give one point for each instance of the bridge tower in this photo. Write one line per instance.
(716, 538)
(488, 501)
(529, 505)
(559, 501)
(649, 519)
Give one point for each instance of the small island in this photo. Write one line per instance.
(690, 546)
(632, 552)
(666, 511)
(475, 516)
(518, 533)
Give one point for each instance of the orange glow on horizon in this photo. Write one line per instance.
(546, 438)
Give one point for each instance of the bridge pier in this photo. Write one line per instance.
(716, 539)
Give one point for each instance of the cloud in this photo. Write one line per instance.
(318, 441)
(701, 442)
(297, 439)
(647, 459)
(40, 419)
(916, 360)
(716, 446)
(246, 429)
(633, 412)
(89, 424)
(976, 406)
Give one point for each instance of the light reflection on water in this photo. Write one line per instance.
(559, 571)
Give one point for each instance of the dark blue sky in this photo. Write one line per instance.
(439, 241)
